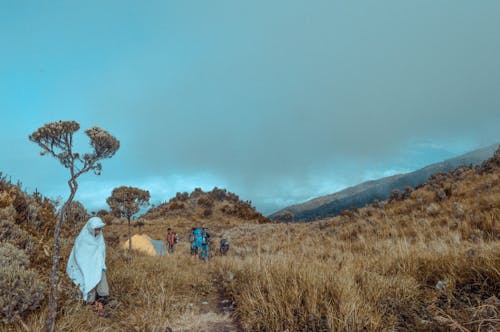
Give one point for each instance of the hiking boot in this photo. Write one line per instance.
(99, 310)
(103, 299)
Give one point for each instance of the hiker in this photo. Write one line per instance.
(224, 247)
(171, 240)
(205, 239)
(87, 265)
(193, 240)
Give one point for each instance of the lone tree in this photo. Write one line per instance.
(125, 202)
(56, 139)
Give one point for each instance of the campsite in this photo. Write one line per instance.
(241, 166)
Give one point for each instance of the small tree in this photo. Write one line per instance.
(125, 202)
(56, 139)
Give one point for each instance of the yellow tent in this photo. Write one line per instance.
(146, 245)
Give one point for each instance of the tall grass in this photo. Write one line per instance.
(430, 262)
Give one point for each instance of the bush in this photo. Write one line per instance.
(10, 255)
(206, 202)
(76, 217)
(15, 235)
(207, 212)
(76, 214)
(20, 289)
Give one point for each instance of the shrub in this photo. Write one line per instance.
(21, 205)
(5, 199)
(182, 196)
(218, 194)
(207, 212)
(176, 206)
(106, 216)
(20, 289)
(15, 235)
(76, 213)
(8, 213)
(395, 195)
(76, 217)
(206, 202)
(10, 255)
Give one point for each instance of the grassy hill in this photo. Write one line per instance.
(427, 260)
(218, 206)
(380, 189)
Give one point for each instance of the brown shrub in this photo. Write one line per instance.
(10, 255)
(15, 235)
(205, 202)
(176, 206)
(20, 289)
(207, 212)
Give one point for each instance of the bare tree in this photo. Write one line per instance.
(125, 202)
(56, 139)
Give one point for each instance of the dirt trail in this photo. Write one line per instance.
(209, 312)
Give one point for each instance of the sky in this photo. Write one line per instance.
(276, 101)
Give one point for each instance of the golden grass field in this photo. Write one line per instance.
(417, 264)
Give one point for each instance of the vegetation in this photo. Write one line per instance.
(125, 202)
(217, 205)
(56, 140)
(427, 260)
(21, 290)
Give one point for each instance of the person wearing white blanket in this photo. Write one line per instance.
(87, 262)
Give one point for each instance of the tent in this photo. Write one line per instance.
(146, 245)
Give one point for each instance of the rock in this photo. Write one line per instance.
(441, 284)
(204, 302)
(229, 276)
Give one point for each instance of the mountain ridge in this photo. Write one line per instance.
(379, 189)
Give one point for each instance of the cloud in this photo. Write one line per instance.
(278, 103)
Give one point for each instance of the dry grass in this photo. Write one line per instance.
(429, 263)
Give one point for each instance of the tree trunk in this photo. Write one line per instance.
(54, 278)
(129, 241)
(50, 323)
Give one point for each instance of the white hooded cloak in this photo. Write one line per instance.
(87, 260)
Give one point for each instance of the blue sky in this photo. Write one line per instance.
(277, 101)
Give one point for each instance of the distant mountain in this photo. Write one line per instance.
(367, 192)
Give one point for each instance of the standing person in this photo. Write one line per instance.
(87, 265)
(224, 247)
(194, 245)
(205, 239)
(171, 240)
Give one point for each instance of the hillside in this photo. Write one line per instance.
(216, 205)
(381, 189)
(427, 260)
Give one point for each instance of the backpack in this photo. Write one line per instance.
(197, 236)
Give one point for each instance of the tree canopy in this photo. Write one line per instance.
(127, 201)
(56, 139)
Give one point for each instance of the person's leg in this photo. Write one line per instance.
(204, 252)
(91, 297)
(103, 287)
